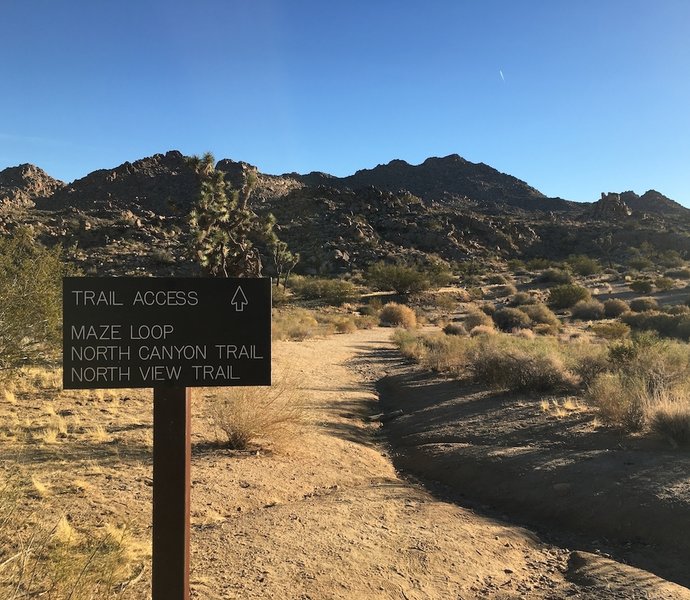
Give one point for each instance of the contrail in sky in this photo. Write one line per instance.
(501, 74)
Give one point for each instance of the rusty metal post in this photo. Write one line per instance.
(172, 453)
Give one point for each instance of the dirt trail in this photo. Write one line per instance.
(331, 519)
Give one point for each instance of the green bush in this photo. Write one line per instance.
(567, 295)
(615, 330)
(329, 291)
(522, 298)
(30, 300)
(519, 368)
(643, 304)
(683, 273)
(584, 265)
(507, 319)
(554, 276)
(640, 263)
(664, 283)
(588, 310)
(536, 264)
(542, 315)
(641, 286)
(400, 278)
(615, 307)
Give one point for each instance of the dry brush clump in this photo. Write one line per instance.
(499, 360)
(567, 295)
(588, 310)
(398, 315)
(263, 415)
(615, 307)
(646, 387)
(508, 319)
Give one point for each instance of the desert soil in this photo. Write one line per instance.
(327, 516)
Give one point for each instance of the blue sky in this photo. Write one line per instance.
(575, 98)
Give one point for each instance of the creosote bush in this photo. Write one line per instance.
(398, 315)
(507, 319)
(641, 286)
(329, 291)
(553, 275)
(584, 265)
(541, 314)
(567, 295)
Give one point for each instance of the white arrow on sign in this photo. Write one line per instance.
(239, 300)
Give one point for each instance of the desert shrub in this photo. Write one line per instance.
(482, 330)
(520, 367)
(615, 307)
(398, 315)
(526, 334)
(614, 330)
(640, 263)
(296, 324)
(265, 415)
(641, 286)
(372, 308)
(30, 300)
(280, 296)
(329, 291)
(553, 275)
(665, 324)
(671, 420)
(476, 317)
(455, 329)
(677, 309)
(567, 295)
(643, 304)
(497, 278)
(587, 361)
(476, 293)
(620, 401)
(515, 265)
(500, 291)
(542, 316)
(522, 298)
(670, 258)
(509, 318)
(664, 283)
(544, 329)
(488, 308)
(584, 265)
(405, 279)
(588, 310)
(537, 264)
(683, 273)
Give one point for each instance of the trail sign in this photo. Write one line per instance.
(127, 332)
(171, 335)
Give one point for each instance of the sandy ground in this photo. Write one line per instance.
(328, 517)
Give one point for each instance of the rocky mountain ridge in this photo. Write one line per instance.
(133, 218)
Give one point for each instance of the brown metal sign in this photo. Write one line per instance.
(171, 335)
(129, 332)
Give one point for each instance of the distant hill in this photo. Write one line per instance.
(132, 219)
(440, 178)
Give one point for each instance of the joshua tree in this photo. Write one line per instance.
(223, 226)
(283, 260)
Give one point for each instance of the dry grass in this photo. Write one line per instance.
(670, 418)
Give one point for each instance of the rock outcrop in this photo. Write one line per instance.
(21, 185)
(610, 206)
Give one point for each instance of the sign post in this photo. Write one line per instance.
(170, 334)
